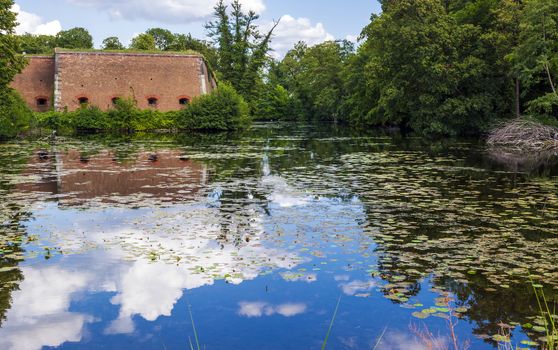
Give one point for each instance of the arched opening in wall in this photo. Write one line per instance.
(184, 101)
(83, 100)
(41, 102)
(115, 100)
(152, 101)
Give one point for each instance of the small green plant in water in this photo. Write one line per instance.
(549, 318)
(331, 323)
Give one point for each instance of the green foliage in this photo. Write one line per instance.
(75, 38)
(242, 52)
(164, 39)
(274, 102)
(112, 43)
(222, 110)
(316, 77)
(37, 44)
(124, 116)
(535, 58)
(11, 62)
(143, 42)
(15, 116)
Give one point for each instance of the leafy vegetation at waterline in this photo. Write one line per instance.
(222, 110)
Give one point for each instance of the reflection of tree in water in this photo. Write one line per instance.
(12, 233)
(481, 234)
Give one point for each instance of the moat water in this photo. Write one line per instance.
(252, 241)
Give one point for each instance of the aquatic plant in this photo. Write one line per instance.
(549, 318)
(324, 344)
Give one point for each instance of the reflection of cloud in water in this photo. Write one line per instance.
(403, 341)
(299, 277)
(341, 278)
(284, 195)
(355, 287)
(182, 248)
(39, 315)
(259, 309)
(147, 258)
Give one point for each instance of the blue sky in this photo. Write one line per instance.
(311, 20)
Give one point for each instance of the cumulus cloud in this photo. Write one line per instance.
(33, 24)
(292, 30)
(162, 10)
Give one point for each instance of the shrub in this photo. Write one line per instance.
(15, 116)
(222, 110)
(88, 118)
(122, 115)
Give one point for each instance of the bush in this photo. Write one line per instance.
(88, 118)
(222, 110)
(15, 116)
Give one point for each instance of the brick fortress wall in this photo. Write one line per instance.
(36, 82)
(161, 81)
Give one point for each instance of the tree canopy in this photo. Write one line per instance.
(75, 38)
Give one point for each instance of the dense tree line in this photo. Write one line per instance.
(436, 66)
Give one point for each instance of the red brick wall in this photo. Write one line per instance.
(36, 81)
(102, 76)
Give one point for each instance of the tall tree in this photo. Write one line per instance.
(11, 61)
(536, 56)
(14, 114)
(75, 38)
(242, 49)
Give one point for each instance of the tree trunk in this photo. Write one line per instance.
(517, 101)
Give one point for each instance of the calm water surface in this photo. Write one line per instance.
(111, 243)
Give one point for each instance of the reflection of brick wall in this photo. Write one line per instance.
(101, 177)
(102, 76)
(37, 81)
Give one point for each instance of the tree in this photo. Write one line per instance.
(164, 39)
(11, 61)
(242, 49)
(14, 114)
(143, 42)
(37, 44)
(315, 76)
(112, 43)
(535, 58)
(75, 38)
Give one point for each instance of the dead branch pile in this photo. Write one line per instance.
(525, 135)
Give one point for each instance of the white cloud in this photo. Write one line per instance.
(33, 24)
(292, 30)
(259, 309)
(163, 10)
